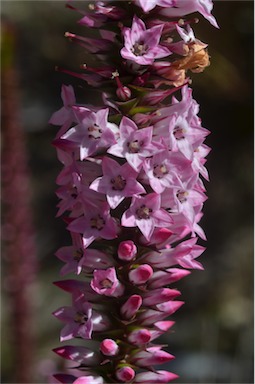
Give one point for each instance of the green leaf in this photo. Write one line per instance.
(115, 118)
(141, 109)
(125, 106)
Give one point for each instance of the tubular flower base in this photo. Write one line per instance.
(131, 187)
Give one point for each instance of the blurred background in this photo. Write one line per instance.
(213, 335)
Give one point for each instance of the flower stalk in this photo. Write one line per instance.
(131, 186)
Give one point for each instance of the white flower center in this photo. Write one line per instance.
(94, 131)
(143, 212)
(182, 196)
(134, 146)
(160, 170)
(106, 283)
(139, 48)
(179, 133)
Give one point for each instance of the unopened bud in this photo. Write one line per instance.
(141, 274)
(108, 347)
(127, 250)
(125, 374)
(123, 93)
(131, 306)
(139, 337)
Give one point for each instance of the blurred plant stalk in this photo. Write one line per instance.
(19, 249)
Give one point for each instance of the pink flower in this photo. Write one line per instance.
(117, 183)
(134, 144)
(183, 197)
(65, 116)
(105, 282)
(77, 257)
(145, 213)
(127, 250)
(183, 136)
(96, 223)
(72, 255)
(160, 171)
(148, 5)
(184, 7)
(141, 44)
(78, 319)
(92, 133)
(199, 160)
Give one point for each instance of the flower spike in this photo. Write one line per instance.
(130, 189)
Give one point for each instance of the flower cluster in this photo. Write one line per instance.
(130, 189)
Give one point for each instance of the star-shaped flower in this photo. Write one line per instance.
(148, 5)
(146, 214)
(97, 222)
(160, 171)
(184, 7)
(134, 144)
(64, 116)
(105, 282)
(141, 44)
(78, 319)
(117, 183)
(92, 133)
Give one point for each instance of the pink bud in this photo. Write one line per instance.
(151, 357)
(164, 325)
(123, 93)
(108, 347)
(170, 306)
(127, 250)
(161, 236)
(161, 327)
(140, 274)
(125, 374)
(169, 276)
(163, 310)
(89, 380)
(155, 377)
(160, 295)
(139, 337)
(131, 306)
